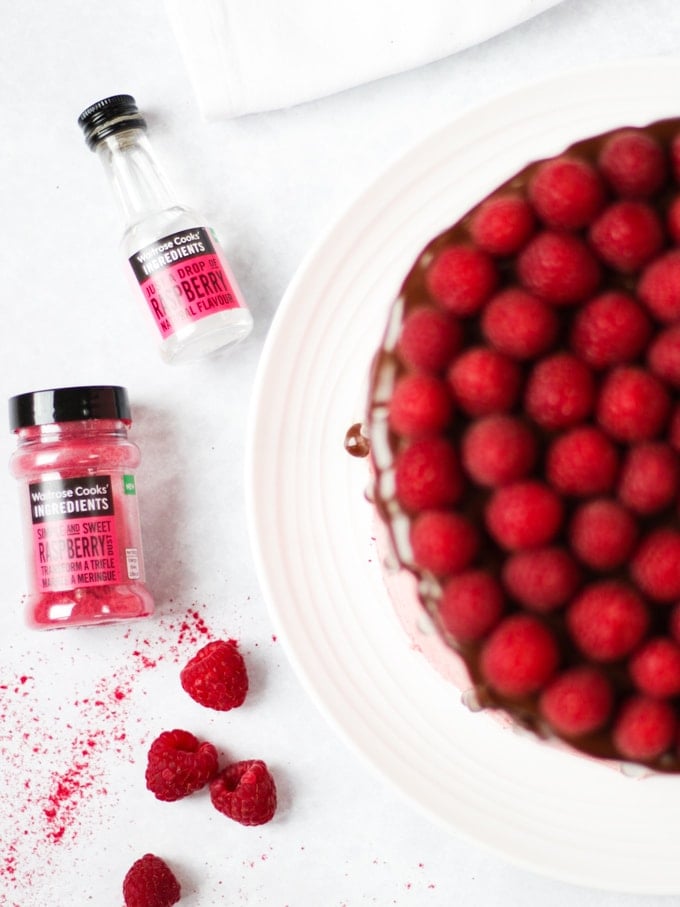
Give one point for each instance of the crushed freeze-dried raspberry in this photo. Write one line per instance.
(178, 764)
(245, 792)
(150, 883)
(216, 676)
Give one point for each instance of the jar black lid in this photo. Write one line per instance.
(108, 116)
(69, 404)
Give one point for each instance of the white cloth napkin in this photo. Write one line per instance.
(245, 56)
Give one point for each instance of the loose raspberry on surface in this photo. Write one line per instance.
(484, 381)
(602, 534)
(429, 338)
(607, 620)
(525, 514)
(471, 605)
(655, 566)
(663, 356)
(650, 477)
(645, 728)
(245, 792)
(627, 235)
(519, 324)
(542, 579)
(216, 677)
(461, 278)
(578, 701)
(560, 391)
(558, 267)
(498, 449)
(567, 192)
(655, 668)
(420, 405)
(632, 405)
(612, 329)
(659, 287)
(178, 764)
(633, 163)
(501, 225)
(582, 462)
(443, 542)
(150, 882)
(519, 657)
(428, 475)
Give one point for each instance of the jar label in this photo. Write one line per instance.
(184, 278)
(75, 537)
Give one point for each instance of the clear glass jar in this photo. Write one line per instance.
(82, 537)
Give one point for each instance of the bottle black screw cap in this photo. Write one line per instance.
(69, 404)
(108, 116)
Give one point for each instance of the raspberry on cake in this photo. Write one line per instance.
(526, 443)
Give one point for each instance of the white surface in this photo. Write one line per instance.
(270, 184)
(313, 49)
(572, 819)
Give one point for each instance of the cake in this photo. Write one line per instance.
(524, 438)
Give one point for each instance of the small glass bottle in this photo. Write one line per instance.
(175, 260)
(80, 517)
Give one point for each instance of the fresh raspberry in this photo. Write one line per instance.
(673, 219)
(428, 475)
(558, 267)
(663, 355)
(178, 764)
(612, 329)
(578, 701)
(655, 668)
(420, 405)
(633, 163)
(650, 477)
(674, 153)
(484, 381)
(627, 235)
(582, 462)
(519, 657)
(471, 605)
(673, 434)
(461, 278)
(216, 676)
(518, 324)
(245, 792)
(674, 622)
(443, 542)
(659, 287)
(150, 882)
(429, 339)
(632, 405)
(524, 514)
(655, 567)
(644, 729)
(607, 620)
(502, 224)
(560, 391)
(497, 450)
(602, 534)
(541, 579)
(566, 192)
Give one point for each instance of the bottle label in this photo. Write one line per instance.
(184, 278)
(75, 536)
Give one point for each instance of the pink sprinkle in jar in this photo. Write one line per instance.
(81, 525)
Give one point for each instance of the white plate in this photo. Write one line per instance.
(566, 817)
